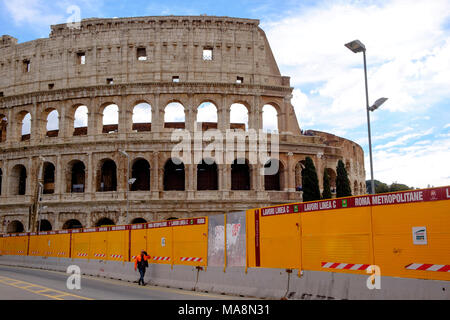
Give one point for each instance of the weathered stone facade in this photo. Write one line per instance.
(98, 65)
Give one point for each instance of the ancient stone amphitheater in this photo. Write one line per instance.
(63, 163)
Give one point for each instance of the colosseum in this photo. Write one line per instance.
(65, 163)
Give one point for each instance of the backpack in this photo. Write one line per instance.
(142, 264)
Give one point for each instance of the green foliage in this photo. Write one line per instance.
(326, 194)
(342, 182)
(381, 187)
(310, 182)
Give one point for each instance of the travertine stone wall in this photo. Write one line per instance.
(45, 74)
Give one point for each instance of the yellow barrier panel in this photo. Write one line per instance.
(279, 229)
(340, 236)
(1, 246)
(138, 241)
(159, 243)
(62, 245)
(19, 245)
(190, 241)
(98, 245)
(117, 243)
(394, 241)
(80, 244)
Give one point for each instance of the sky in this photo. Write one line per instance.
(408, 61)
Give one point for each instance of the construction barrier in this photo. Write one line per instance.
(404, 234)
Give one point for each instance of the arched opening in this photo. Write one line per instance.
(240, 175)
(270, 119)
(272, 175)
(207, 116)
(80, 121)
(141, 172)
(110, 119)
(104, 222)
(3, 127)
(18, 180)
(347, 166)
(207, 177)
(72, 224)
(45, 225)
(26, 126)
(298, 175)
(142, 117)
(174, 175)
(49, 178)
(174, 116)
(107, 176)
(238, 117)
(332, 175)
(15, 227)
(52, 125)
(77, 177)
(138, 221)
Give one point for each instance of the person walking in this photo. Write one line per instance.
(141, 263)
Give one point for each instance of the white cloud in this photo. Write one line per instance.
(33, 12)
(403, 139)
(142, 113)
(408, 54)
(174, 112)
(111, 114)
(207, 112)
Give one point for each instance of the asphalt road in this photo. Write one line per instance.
(17, 283)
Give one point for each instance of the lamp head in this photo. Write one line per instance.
(356, 46)
(377, 104)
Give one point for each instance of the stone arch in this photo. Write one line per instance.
(18, 180)
(207, 115)
(138, 220)
(240, 175)
(140, 170)
(15, 227)
(270, 118)
(51, 116)
(48, 175)
(45, 225)
(24, 129)
(274, 182)
(104, 222)
(3, 127)
(110, 117)
(76, 176)
(332, 174)
(107, 176)
(80, 121)
(355, 188)
(239, 116)
(72, 224)
(174, 115)
(298, 174)
(207, 175)
(142, 116)
(174, 175)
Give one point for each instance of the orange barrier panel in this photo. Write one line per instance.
(98, 243)
(62, 244)
(1, 245)
(159, 242)
(80, 244)
(138, 240)
(18, 244)
(190, 241)
(395, 251)
(279, 229)
(117, 243)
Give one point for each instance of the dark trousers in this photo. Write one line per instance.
(142, 273)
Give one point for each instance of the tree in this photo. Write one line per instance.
(381, 187)
(310, 182)
(326, 194)
(342, 183)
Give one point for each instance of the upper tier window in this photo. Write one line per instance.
(141, 54)
(26, 66)
(207, 53)
(81, 58)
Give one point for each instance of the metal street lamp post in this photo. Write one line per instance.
(356, 46)
(130, 181)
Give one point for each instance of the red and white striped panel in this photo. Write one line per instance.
(344, 266)
(82, 254)
(100, 255)
(61, 253)
(34, 252)
(191, 259)
(161, 258)
(428, 267)
(116, 256)
(19, 251)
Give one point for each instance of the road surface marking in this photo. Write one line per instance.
(40, 289)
